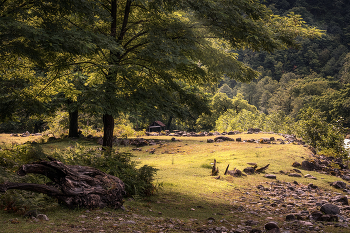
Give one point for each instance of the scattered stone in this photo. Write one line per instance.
(310, 177)
(249, 170)
(294, 175)
(338, 184)
(210, 140)
(343, 199)
(290, 217)
(235, 172)
(42, 217)
(345, 177)
(238, 139)
(307, 165)
(330, 209)
(255, 231)
(296, 164)
(312, 186)
(271, 225)
(270, 176)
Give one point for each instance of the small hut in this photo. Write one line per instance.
(156, 126)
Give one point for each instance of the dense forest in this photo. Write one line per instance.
(282, 67)
(315, 75)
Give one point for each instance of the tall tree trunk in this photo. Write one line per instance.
(108, 127)
(73, 124)
(169, 123)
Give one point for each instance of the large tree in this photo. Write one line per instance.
(165, 41)
(126, 46)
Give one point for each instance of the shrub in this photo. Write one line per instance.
(138, 181)
(317, 132)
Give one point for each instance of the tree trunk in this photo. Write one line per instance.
(73, 124)
(169, 123)
(108, 127)
(73, 185)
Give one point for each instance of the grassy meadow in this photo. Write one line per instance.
(187, 195)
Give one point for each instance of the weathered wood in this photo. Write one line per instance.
(214, 170)
(262, 169)
(72, 185)
(226, 169)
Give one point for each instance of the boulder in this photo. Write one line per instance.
(338, 184)
(330, 209)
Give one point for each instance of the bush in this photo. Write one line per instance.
(317, 132)
(138, 182)
(19, 201)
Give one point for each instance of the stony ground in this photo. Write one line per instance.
(270, 207)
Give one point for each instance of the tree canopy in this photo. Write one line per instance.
(131, 47)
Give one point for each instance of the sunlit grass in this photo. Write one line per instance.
(188, 191)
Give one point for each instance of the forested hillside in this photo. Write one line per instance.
(315, 75)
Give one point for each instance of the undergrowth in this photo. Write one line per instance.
(139, 182)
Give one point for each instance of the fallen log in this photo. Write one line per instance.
(73, 185)
(262, 169)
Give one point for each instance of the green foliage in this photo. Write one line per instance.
(138, 181)
(320, 134)
(277, 122)
(19, 201)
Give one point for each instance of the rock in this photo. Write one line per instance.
(343, 199)
(306, 223)
(329, 218)
(255, 231)
(312, 186)
(271, 225)
(270, 176)
(316, 215)
(330, 209)
(210, 140)
(249, 170)
(253, 130)
(290, 217)
(307, 165)
(294, 175)
(310, 177)
(42, 217)
(223, 138)
(296, 164)
(235, 172)
(338, 184)
(345, 177)
(274, 230)
(238, 139)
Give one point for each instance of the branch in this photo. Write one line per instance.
(132, 48)
(38, 188)
(125, 20)
(134, 37)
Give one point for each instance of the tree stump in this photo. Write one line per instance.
(73, 185)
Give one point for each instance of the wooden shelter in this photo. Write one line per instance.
(156, 126)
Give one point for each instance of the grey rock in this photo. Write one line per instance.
(270, 176)
(271, 225)
(294, 175)
(330, 209)
(339, 184)
(42, 217)
(343, 199)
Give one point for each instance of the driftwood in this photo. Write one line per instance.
(262, 169)
(73, 185)
(214, 170)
